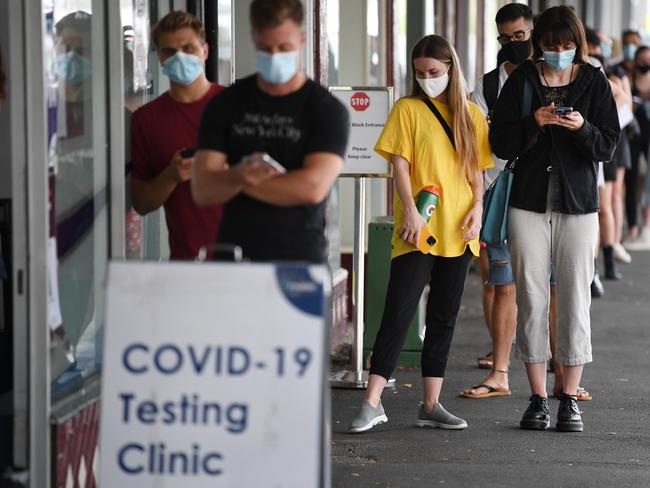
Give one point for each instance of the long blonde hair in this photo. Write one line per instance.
(439, 48)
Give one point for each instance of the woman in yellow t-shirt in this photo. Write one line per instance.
(422, 153)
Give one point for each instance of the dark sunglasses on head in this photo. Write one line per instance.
(642, 69)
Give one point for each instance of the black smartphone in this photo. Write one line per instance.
(563, 111)
(188, 153)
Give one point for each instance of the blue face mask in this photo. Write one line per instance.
(73, 68)
(559, 60)
(607, 50)
(183, 68)
(629, 50)
(277, 68)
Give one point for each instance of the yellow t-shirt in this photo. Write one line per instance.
(415, 134)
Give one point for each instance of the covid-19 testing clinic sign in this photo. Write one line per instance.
(368, 108)
(214, 376)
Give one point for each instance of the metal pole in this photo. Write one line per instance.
(357, 378)
(358, 271)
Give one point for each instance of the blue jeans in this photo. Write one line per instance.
(500, 271)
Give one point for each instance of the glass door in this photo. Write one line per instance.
(74, 52)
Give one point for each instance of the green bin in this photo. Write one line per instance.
(380, 231)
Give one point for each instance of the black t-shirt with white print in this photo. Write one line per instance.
(242, 120)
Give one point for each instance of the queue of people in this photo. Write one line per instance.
(553, 117)
(272, 145)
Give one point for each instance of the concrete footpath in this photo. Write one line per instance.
(614, 449)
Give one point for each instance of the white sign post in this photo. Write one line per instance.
(368, 108)
(214, 375)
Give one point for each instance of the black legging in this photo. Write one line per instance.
(409, 274)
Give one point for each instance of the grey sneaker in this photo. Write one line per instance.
(368, 417)
(439, 417)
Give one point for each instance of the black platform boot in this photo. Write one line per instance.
(536, 416)
(569, 418)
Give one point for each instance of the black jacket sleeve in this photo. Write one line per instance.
(598, 137)
(510, 133)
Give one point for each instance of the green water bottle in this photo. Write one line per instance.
(426, 203)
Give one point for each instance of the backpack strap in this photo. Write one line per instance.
(442, 121)
(491, 89)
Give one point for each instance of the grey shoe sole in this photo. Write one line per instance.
(380, 419)
(439, 425)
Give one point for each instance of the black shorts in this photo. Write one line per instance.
(621, 159)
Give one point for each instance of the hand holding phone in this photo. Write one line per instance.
(265, 159)
(188, 153)
(572, 120)
(563, 111)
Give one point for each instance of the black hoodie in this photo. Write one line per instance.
(571, 156)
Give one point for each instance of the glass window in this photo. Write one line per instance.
(78, 188)
(333, 42)
(138, 89)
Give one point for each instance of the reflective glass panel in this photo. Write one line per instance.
(78, 189)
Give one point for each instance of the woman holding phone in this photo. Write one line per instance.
(434, 137)
(573, 124)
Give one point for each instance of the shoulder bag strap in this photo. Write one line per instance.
(525, 111)
(442, 121)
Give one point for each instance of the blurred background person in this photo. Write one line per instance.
(637, 188)
(631, 41)
(164, 134)
(606, 218)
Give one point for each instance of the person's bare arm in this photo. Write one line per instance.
(413, 221)
(619, 92)
(308, 185)
(473, 220)
(215, 183)
(150, 195)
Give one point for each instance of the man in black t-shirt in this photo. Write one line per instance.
(278, 113)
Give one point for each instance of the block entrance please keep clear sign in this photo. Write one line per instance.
(368, 108)
(214, 376)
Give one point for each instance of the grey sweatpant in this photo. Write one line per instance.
(569, 243)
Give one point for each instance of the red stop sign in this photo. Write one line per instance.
(360, 101)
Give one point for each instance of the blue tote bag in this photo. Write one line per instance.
(497, 197)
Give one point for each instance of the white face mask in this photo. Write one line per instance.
(434, 86)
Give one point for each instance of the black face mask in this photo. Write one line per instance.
(517, 51)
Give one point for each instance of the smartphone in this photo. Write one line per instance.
(188, 153)
(563, 111)
(265, 158)
(220, 252)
